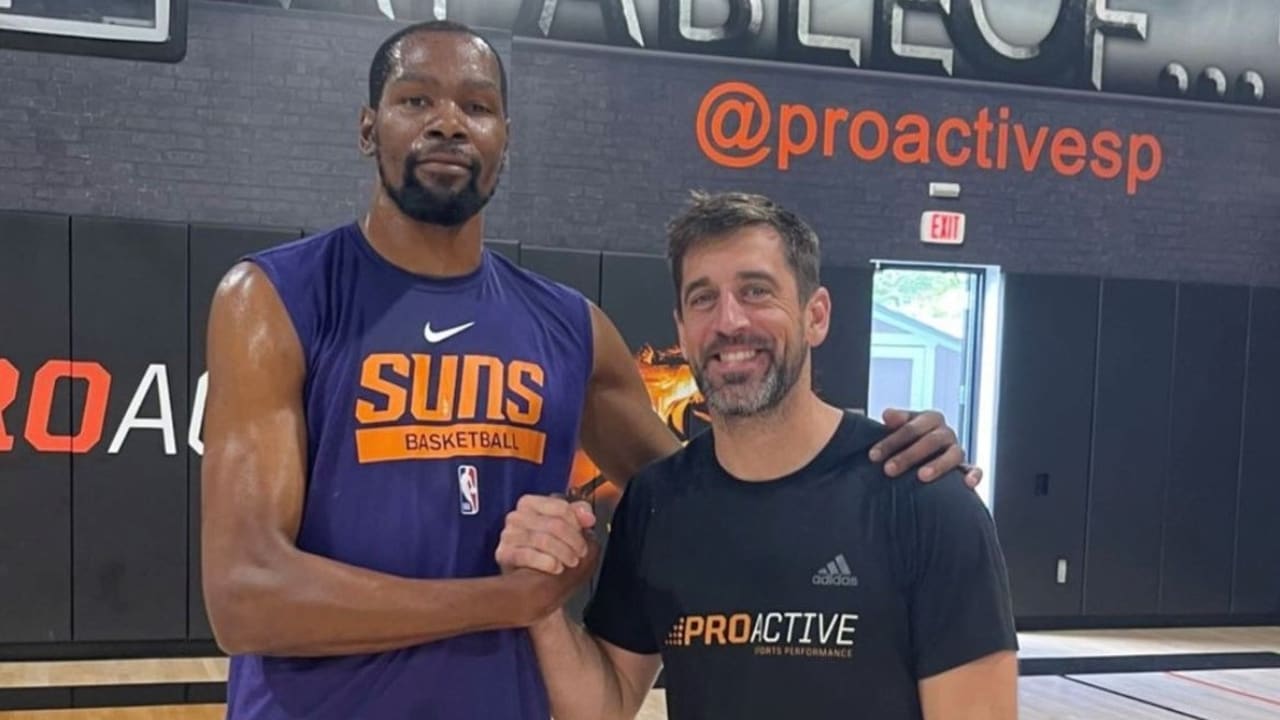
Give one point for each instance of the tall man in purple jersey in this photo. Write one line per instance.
(381, 395)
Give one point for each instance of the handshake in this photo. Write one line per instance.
(546, 552)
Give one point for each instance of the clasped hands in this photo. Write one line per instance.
(548, 543)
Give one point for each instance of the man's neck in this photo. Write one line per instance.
(422, 248)
(772, 445)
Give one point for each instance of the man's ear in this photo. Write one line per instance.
(368, 133)
(817, 321)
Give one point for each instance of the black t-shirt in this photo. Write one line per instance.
(828, 593)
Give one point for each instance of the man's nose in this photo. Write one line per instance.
(448, 124)
(731, 317)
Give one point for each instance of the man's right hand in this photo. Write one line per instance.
(547, 548)
(548, 534)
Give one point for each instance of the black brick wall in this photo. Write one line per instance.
(258, 126)
(606, 147)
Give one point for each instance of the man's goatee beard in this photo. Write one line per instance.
(451, 210)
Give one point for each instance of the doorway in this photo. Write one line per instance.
(932, 347)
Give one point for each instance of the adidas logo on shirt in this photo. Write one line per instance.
(836, 573)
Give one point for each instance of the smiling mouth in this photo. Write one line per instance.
(736, 356)
(740, 360)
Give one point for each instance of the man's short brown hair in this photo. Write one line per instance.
(710, 216)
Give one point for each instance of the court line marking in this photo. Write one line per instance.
(1224, 688)
(1135, 699)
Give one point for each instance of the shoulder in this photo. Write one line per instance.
(918, 509)
(281, 288)
(943, 521)
(666, 479)
(263, 281)
(863, 432)
(853, 440)
(250, 330)
(945, 503)
(556, 304)
(533, 283)
(301, 255)
(293, 268)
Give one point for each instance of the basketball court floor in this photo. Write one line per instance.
(1164, 674)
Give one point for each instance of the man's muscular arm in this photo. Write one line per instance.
(621, 433)
(587, 678)
(983, 689)
(263, 594)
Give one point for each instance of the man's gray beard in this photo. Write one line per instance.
(737, 400)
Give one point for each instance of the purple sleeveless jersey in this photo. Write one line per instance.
(432, 406)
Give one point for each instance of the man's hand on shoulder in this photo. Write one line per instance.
(918, 437)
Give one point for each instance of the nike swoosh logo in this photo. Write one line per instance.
(435, 336)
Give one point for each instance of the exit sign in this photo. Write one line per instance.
(942, 228)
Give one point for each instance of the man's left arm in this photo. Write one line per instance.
(962, 614)
(622, 434)
(983, 689)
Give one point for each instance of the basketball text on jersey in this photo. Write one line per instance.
(420, 406)
(781, 633)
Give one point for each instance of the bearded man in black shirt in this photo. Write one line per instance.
(770, 566)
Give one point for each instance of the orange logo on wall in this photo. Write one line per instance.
(40, 413)
(675, 397)
(735, 129)
(442, 409)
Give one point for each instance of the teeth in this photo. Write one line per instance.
(738, 356)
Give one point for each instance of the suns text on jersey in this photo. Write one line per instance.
(420, 406)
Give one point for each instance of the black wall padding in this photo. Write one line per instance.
(214, 249)
(635, 291)
(579, 269)
(1200, 502)
(1130, 447)
(1137, 420)
(1042, 458)
(842, 363)
(35, 486)
(1257, 566)
(129, 510)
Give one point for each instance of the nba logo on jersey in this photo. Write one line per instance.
(468, 489)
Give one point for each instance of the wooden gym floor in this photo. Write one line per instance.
(1084, 693)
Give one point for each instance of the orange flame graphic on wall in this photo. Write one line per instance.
(675, 397)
